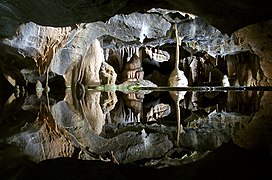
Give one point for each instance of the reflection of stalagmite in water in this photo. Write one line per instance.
(177, 79)
(134, 101)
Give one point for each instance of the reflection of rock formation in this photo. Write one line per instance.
(90, 71)
(220, 127)
(246, 119)
(107, 101)
(128, 109)
(138, 146)
(158, 111)
(246, 102)
(257, 135)
(88, 108)
(134, 101)
(43, 139)
(62, 132)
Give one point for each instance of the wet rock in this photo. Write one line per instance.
(244, 69)
(140, 26)
(118, 27)
(59, 47)
(196, 71)
(39, 43)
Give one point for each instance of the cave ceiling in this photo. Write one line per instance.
(227, 16)
(58, 31)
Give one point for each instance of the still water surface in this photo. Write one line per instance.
(147, 127)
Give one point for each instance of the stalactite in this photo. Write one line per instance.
(122, 53)
(106, 54)
(137, 49)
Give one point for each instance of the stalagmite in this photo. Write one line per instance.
(177, 79)
(197, 71)
(225, 81)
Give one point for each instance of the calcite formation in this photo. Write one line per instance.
(54, 49)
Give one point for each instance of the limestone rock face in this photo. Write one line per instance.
(199, 35)
(91, 69)
(258, 37)
(107, 74)
(56, 48)
(227, 16)
(38, 42)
